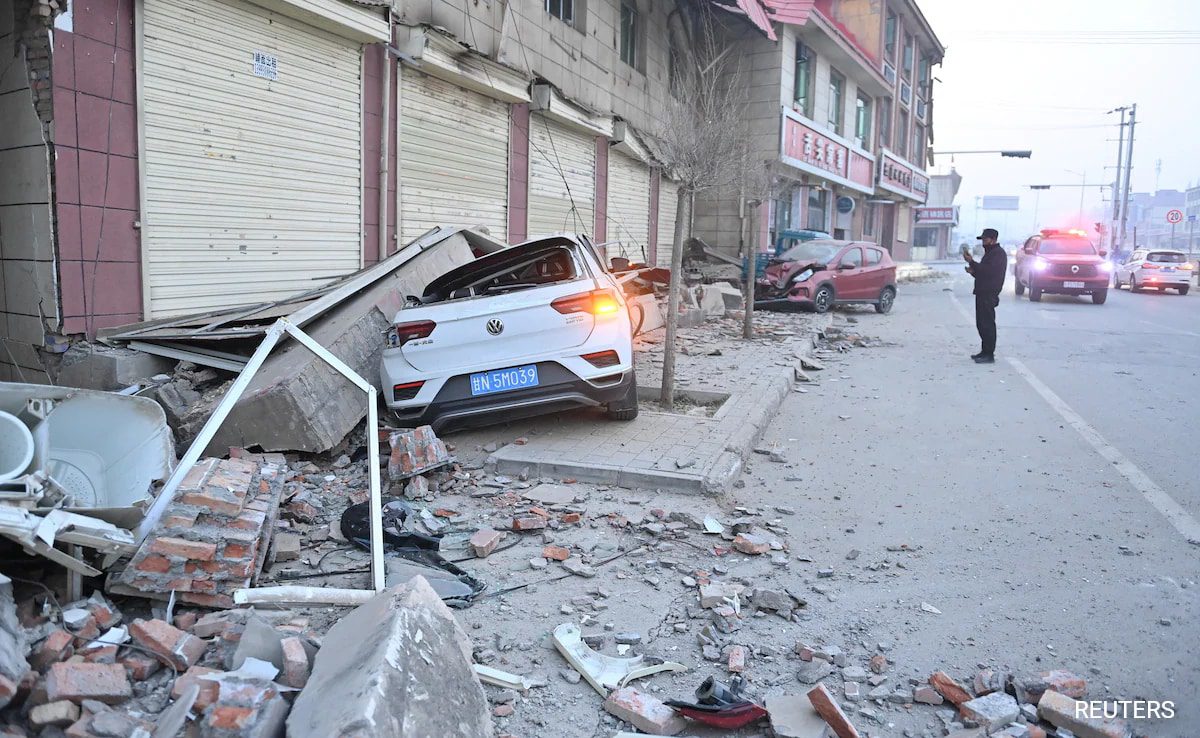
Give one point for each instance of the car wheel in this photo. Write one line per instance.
(1184, 289)
(1035, 294)
(1133, 285)
(1098, 298)
(823, 300)
(887, 299)
(627, 407)
(1018, 286)
(1116, 281)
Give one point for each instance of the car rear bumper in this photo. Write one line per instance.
(1154, 277)
(559, 388)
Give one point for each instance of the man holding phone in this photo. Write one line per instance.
(989, 273)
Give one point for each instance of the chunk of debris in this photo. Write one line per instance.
(716, 594)
(556, 553)
(550, 494)
(396, 666)
(107, 683)
(528, 522)
(749, 543)
(484, 541)
(814, 671)
(828, 708)
(13, 646)
(1031, 688)
(286, 546)
(54, 714)
(296, 664)
(646, 713)
(793, 716)
(578, 568)
(1062, 712)
(416, 452)
(951, 690)
(927, 696)
(603, 672)
(737, 659)
(926, 607)
(174, 647)
(992, 711)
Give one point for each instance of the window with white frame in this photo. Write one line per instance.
(862, 120)
(630, 27)
(837, 100)
(564, 10)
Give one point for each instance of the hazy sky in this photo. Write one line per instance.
(1040, 75)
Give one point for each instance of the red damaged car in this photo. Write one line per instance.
(820, 274)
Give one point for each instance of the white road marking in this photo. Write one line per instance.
(1182, 521)
(1170, 509)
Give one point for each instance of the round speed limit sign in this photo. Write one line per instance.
(1174, 216)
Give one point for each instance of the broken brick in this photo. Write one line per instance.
(645, 712)
(954, 692)
(140, 666)
(295, 663)
(878, 663)
(555, 553)
(185, 620)
(106, 613)
(101, 655)
(988, 681)
(1031, 689)
(829, 710)
(182, 548)
(209, 689)
(927, 695)
(484, 541)
(58, 646)
(737, 659)
(106, 683)
(175, 647)
(505, 710)
(570, 518)
(751, 544)
(59, 714)
(528, 522)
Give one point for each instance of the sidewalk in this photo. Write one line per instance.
(678, 451)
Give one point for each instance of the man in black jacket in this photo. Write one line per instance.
(989, 273)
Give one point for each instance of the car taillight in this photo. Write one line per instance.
(1148, 265)
(596, 302)
(407, 391)
(602, 359)
(402, 333)
(1189, 267)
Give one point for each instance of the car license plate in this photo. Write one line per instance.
(1073, 285)
(1168, 269)
(504, 380)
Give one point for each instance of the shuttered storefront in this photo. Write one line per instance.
(453, 157)
(668, 203)
(252, 155)
(628, 207)
(562, 171)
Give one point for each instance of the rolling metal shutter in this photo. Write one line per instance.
(453, 157)
(668, 202)
(252, 185)
(628, 207)
(562, 171)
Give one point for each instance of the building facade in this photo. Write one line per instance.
(1148, 226)
(934, 222)
(841, 106)
(165, 157)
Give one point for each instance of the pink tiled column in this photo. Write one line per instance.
(96, 169)
(518, 172)
(655, 185)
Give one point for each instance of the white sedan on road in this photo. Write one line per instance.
(534, 328)
(1156, 268)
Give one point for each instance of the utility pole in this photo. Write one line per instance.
(1128, 177)
(1116, 216)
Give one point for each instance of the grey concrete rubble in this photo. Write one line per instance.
(13, 665)
(380, 665)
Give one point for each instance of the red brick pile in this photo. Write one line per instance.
(416, 452)
(214, 537)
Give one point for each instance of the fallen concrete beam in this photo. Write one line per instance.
(296, 401)
(399, 665)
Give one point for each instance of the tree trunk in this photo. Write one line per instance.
(748, 290)
(683, 217)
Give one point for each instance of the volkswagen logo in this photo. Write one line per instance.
(1074, 270)
(495, 326)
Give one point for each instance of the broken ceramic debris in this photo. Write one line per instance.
(605, 673)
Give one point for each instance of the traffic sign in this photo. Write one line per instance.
(1174, 216)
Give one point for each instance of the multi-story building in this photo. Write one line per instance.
(841, 106)
(1191, 212)
(935, 221)
(1148, 225)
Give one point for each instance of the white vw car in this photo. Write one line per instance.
(1157, 268)
(534, 328)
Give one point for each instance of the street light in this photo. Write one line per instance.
(1009, 153)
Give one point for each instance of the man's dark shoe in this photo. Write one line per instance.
(985, 359)
(976, 356)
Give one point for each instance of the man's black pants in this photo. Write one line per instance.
(985, 321)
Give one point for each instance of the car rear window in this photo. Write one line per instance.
(1166, 257)
(874, 256)
(1074, 246)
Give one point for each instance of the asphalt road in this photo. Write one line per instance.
(1048, 498)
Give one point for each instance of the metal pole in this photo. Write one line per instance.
(1172, 237)
(1191, 234)
(1082, 191)
(1116, 216)
(1128, 177)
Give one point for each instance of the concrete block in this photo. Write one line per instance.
(1061, 711)
(374, 676)
(60, 714)
(96, 366)
(793, 716)
(711, 301)
(734, 300)
(992, 711)
(12, 642)
(297, 402)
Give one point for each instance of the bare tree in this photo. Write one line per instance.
(701, 139)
